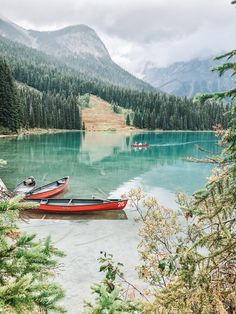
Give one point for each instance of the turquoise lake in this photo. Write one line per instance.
(103, 164)
(105, 161)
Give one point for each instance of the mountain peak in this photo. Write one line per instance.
(72, 41)
(65, 30)
(78, 47)
(79, 27)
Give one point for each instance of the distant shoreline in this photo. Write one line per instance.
(39, 131)
(36, 131)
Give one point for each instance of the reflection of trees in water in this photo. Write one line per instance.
(113, 172)
(50, 156)
(169, 137)
(44, 156)
(43, 145)
(123, 166)
(127, 140)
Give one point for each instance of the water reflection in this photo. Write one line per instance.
(106, 160)
(103, 163)
(99, 215)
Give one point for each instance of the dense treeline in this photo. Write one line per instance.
(25, 107)
(47, 110)
(151, 110)
(9, 105)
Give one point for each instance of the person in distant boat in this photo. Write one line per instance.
(30, 181)
(140, 143)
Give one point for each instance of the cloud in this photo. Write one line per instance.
(137, 31)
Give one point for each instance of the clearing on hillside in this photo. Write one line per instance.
(99, 116)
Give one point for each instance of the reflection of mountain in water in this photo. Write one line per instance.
(97, 145)
(106, 160)
(161, 164)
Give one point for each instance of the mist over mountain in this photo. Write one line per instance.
(14, 32)
(79, 47)
(187, 78)
(63, 66)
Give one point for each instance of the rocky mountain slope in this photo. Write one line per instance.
(79, 47)
(187, 78)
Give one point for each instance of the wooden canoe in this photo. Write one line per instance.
(44, 191)
(70, 206)
(24, 187)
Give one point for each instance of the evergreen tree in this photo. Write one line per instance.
(127, 120)
(9, 104)
(26, 266)
(151, 109)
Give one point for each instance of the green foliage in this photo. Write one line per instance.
(190, 267)
(116, 108)
(27, 267)
(188, 257)
(229, 66)
(152, 110)
(111, 297)
(5, 131)
(9, 104)
(48, 110)
(127, 120)
(84, 101)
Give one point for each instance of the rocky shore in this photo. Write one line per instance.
(4, 193)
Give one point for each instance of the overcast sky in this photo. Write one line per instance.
(138, 31)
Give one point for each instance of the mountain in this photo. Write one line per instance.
(14, 32)
(187, 78)
(73, 41)
(55, 100)
(79, 47)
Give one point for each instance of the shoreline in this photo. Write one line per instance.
(38, 131)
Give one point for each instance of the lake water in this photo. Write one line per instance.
(102, 164)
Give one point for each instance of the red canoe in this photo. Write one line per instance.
(44, 191)
(140, 145)
(70, 206)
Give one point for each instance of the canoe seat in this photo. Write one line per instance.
(61, 181)
(44, 202)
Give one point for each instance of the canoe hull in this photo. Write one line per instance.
(21, 189)
(74, 208)
(56, 188)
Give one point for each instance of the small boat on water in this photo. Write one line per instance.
(44, 191)
(140, 145)
(25, 186)
(73, 206)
